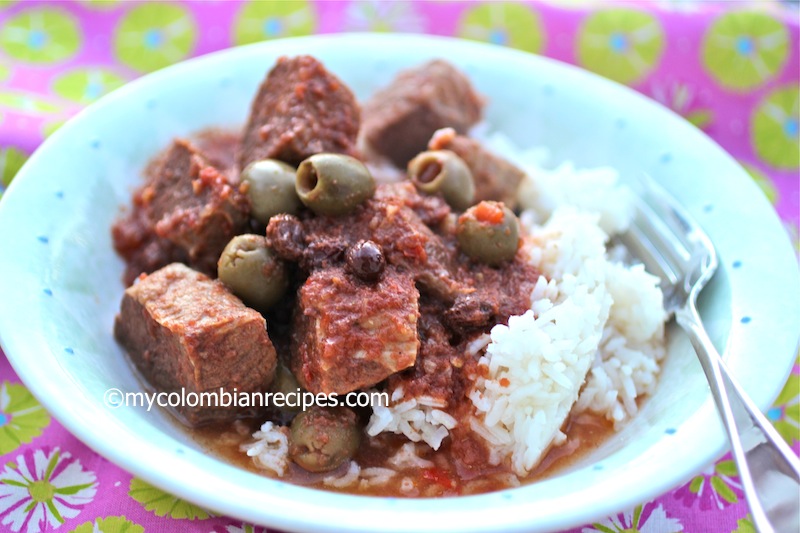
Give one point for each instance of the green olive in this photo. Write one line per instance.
(488, 232)
(323, 438)
(285, 383)
(333, 184)
(442, 171)
(252, 272)
(270, 188)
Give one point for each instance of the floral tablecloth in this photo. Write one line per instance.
(730, 68)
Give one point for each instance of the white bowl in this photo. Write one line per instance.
(60, 280)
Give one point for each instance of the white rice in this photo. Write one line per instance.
(407, 457)
(363, 477)
(417, 420)
(627, 364)
(592, 190)
(350, 477)
(270, 451)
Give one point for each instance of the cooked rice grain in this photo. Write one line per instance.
(627, 364)
(270, 451)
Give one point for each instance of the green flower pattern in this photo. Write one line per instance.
(720, 483)
(42, 35)
(86, 85)
(503, 23)
(622, 44)
(775, 128)
(152, 36)
(260, 20)
(27, 103)
(110, 524)
(164, 504)
(744, 49)
(682, 98)
(22, 419)
(645, 518)
(11, 160)
(50, 128)
(745, 525)
(44, 488)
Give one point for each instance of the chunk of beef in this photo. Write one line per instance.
(470, 311)
(136, 241)
(436, 372)
(187, 211)
(220, 147)
(433, 211)
(350, 335)
(399, 120)
(183, 330)
(499, 292)
(412, 246)
(300, 109)
(495, 178)
(195, 206)
(326, 252)
(407, 242)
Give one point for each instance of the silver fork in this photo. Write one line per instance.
(672, 246)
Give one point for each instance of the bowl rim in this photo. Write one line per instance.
(334, 512)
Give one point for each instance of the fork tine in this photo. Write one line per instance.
(642, 247)
(672, 213)
(663, 237)
(677, 249)
(658, 202)
(684, 227)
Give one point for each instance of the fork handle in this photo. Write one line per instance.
(768, 468)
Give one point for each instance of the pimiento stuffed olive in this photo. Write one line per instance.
(323, 438)
(333, 184)
(251, 271)
(442, 171)
(488, 232)
(269, 184)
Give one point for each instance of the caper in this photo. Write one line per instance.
(252, 272)
(323, 438)
(442, 171)
(488, 232)
(269, 184)
(333, 184)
